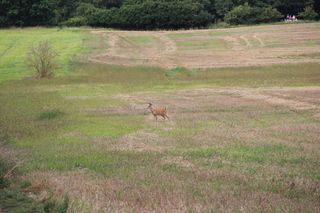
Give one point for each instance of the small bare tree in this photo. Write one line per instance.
(42, 60)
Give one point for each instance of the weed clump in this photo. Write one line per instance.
(51, 114)
(182, 71)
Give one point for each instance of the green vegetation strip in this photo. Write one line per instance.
(15, 44)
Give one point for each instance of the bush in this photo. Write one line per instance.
(269, 14)
(41, 59)
(245, 14)
(104, 18)
(75, 22)
(51, 114)
(152, 15)
(308, 13)
(85, 9)
(3, 21)
(239, 15)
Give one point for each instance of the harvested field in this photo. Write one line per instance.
(240, 138)
(235, 147)
(245, 46)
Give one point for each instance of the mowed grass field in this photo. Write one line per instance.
(239, 139)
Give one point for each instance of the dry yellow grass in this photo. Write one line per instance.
(245, 46)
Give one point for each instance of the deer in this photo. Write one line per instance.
(160, 111)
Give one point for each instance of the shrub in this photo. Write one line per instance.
(239, 15)
(75, 22)
(104, 18)
(41, 59)
(51, 114)
(85, 9)
(308, 13)
(269, 14)
(152, 15)
(245, 14)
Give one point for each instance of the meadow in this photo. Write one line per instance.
(241, 138)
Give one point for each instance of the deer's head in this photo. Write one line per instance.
(149, 106)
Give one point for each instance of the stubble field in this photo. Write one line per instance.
(243, 134)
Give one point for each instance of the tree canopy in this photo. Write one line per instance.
(151, 14)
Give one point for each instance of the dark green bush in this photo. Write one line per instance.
(308, 13)
(150, 14)
(245, 14)
(104, 18)
(153, 14)
(75, 22)
(51, 114)
(85, 9)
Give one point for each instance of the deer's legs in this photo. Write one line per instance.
(167, 117)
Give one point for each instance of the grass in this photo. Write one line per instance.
(259, 154)
(15, 43)
(142, 39)
(86, 131)
(51, 114)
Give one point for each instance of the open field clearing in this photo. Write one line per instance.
(15, 43)
(244, 46)
(239, 139)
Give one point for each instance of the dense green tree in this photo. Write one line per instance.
(149, 14)
(27, 12)
(107, 3)
(153, 14)
(222, 7)
(245, 14)
(291, 7)
(66, 9)
(308, 13)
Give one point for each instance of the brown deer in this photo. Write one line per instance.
(160, 111)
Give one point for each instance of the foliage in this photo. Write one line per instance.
(308, 13)
(27, 12)
(152, 15)
(143, 14)
(107, 3)
(41, 59)
(245, 14)
(75, 21)
(85, 9)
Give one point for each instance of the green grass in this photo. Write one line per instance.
(109, 79)
(15, 43)
(107, 126)
(141, 39)
(51, 114)
(181, 35)
(259, 154)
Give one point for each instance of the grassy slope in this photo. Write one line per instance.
(14, 45)
(36, 115)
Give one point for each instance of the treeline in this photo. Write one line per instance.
(151, 14)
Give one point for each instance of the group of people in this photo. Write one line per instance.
(291, 18)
